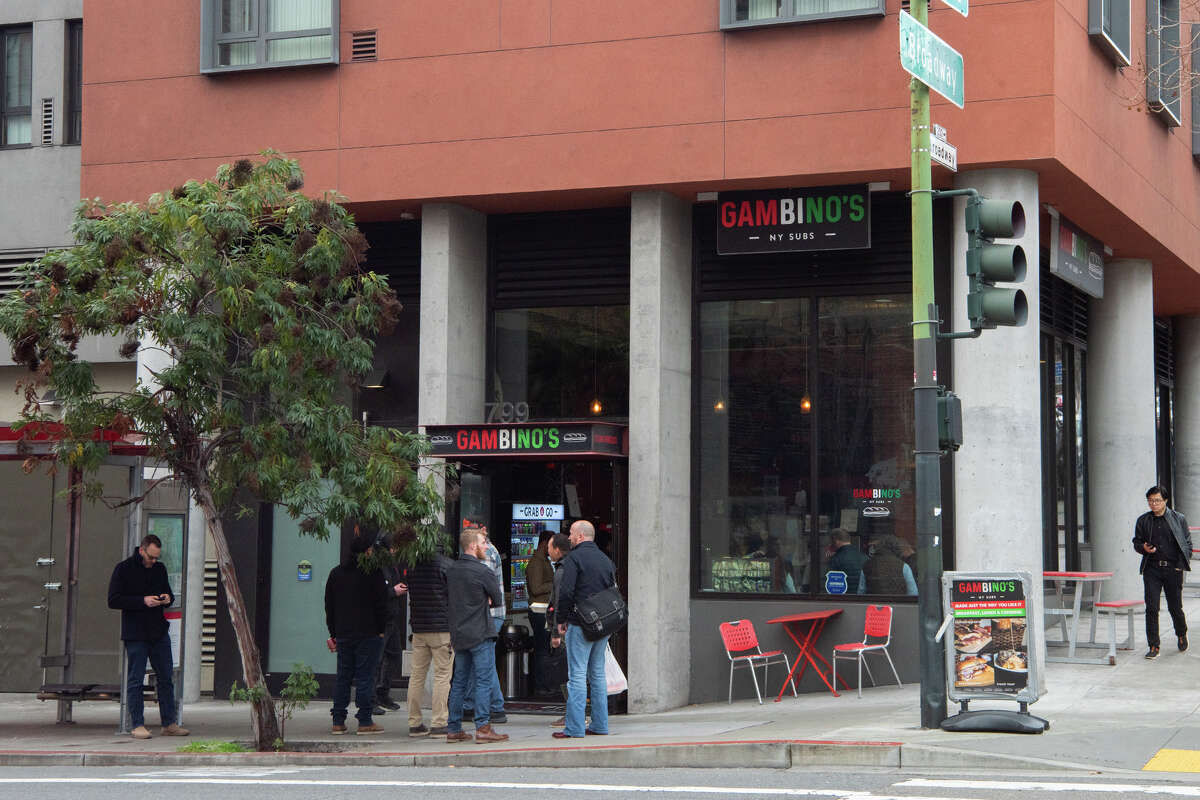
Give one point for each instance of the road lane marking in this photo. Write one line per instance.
(1167, 760)
(1048, 786)
(846, 794)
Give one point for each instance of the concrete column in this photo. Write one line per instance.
(660, 357)
(1120, 419)
(1187, 418)
(998, 470)
(453, 315)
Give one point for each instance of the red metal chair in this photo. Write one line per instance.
(739, 638)
(877, 635)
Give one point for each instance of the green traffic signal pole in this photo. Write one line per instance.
(925, 391)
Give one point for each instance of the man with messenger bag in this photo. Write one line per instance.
(591, 605)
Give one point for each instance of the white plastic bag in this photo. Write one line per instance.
(613, 673)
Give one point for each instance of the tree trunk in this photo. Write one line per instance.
(262, 712)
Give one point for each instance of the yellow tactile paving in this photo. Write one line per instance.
(1174, 761)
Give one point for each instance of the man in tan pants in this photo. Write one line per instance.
(430, 644)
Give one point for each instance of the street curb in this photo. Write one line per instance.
(756, 754)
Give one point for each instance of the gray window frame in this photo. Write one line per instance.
(1109, 29)
(211, 39)
(789, 16)
(5, 111)
(1164, 61)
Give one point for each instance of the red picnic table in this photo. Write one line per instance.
(805, 629)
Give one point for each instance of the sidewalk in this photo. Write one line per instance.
(1108, 718)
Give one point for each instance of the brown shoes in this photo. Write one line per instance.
(486, 734)
(338, 730)
(175, 730)
(140, 732)
(458, 736)
(364, 730)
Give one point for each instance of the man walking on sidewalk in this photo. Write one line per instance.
(472, 589)
(427, 597)
(584, 572)
(140, 589)
(357, 609)
(1161, 536)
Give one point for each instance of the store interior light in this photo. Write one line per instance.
(805, 404)
(375, 379)
(596, 406)
(719, 406)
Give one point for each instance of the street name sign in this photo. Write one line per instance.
(930, 60)
(958, 5)
(943, 153)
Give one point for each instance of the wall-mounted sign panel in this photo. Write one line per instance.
(546, 439)
(1076, 257)
(793, 220)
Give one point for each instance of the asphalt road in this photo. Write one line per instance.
(368, 783)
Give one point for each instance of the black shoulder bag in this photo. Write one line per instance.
(602, 614)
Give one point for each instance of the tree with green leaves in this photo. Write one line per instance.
(256, 297)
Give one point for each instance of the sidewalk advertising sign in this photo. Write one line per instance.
(989, 651)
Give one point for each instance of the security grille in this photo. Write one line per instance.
(1164, 351)
(1064, 309)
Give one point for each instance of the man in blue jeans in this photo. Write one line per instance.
(584, 572)
(491, 558)
(140, 589)
(357, 610)
(471, 589)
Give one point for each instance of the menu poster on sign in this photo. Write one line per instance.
(990, 646)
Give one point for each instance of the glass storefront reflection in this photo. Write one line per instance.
(774, 387)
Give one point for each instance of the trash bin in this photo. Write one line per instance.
(516, 643)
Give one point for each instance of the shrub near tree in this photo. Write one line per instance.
(257, 297)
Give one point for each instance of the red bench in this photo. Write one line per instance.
(1111, 608)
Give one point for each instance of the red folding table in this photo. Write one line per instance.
(805, 629)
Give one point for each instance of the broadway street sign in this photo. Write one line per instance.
(930, 60)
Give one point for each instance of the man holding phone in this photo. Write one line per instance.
(140, 590)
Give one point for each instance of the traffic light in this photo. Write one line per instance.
(987, 304)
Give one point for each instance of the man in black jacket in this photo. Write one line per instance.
(139, 588)
(430, 644)
(1161, 535)
(584, 572)
(357, 610)
(392, 659)
(472, 591)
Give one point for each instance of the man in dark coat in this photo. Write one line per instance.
(140, 589)
(357, 609)
(1161, 535)
(392, 659)
(472, 591)
(584, 572)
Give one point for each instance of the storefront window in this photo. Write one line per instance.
(770, 392)
(865, 506)
(560, 363)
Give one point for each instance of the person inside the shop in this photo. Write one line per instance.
(885, 570)
(539, 579)
(848, 559)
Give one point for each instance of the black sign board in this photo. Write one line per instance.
(1076, 257)
(789, 220)
(527, 439)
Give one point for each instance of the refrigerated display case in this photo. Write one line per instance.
(529, 520)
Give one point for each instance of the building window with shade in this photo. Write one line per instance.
(239, 35)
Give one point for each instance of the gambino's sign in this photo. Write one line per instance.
(787, 220)
(578, 438)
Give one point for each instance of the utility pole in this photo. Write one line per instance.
(925, 396)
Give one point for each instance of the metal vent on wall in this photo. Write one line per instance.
(363, 46)
(1164, 351)
(11, 262)
(47, 121)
